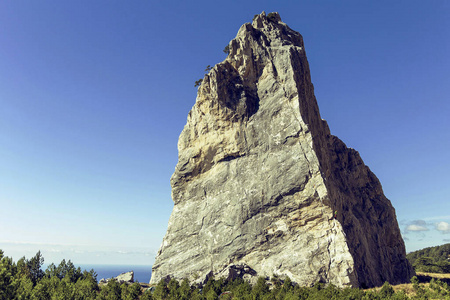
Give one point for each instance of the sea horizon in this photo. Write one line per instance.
(142, 273)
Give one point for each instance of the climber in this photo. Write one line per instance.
(335, 214)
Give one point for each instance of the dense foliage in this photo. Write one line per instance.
(26, 280)
(286, 290)
(432, 259)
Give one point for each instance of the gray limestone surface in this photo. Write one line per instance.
(126, 277)
(259, 178)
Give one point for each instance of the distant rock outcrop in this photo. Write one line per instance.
(126, 277)
(261, 186)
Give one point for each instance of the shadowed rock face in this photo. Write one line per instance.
(259, 177)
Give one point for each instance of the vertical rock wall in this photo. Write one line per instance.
(259, 176)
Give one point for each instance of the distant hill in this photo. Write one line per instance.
(432, 259)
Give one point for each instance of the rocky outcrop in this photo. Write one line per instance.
(260, 178)
(126, 277)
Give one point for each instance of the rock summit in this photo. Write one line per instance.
(262, 188)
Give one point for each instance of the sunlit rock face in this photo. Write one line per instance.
(261, 187)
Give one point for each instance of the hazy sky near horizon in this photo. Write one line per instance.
(94, 94)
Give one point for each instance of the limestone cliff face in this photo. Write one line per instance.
(259, 177)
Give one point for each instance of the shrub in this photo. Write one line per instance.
(272, 17)
(227, 49)
(386, 290)
(198, 82)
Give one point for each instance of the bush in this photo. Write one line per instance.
(386, 290)
(272, 17)
(227, 49)
(111, 291)
(198, 82)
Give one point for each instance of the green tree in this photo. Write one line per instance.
(198, 82)
(23, 287)
(211, 295)
(7, 272)
(65, 269)
(215, 285)
(386, 291)
(415, 282)
(351, 293)
(185, 290)
(110, 291)
(22, 269)
(196, 295)
(432, 259)
(51, 270)
(287, 284)
(34, 266)
(134, 291)
(161, 291)
(130, 291)
(147, 295)
(86, 287)
(227, 49)
(64, 290)
(173, 286)
(41, 291)
(243, 290)
(275, 281)
(260, 288)
(371, 295)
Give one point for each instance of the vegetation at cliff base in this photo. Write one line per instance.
(26, 280)
(431, 260)
(285, 289)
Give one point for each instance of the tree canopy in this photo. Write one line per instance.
(26, 280)
(432, 259)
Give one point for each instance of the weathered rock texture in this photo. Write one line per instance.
(259, 177)
(127, 277)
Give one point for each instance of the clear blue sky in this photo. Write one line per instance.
(94, 94)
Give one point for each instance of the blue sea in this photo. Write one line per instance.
(141, 273)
